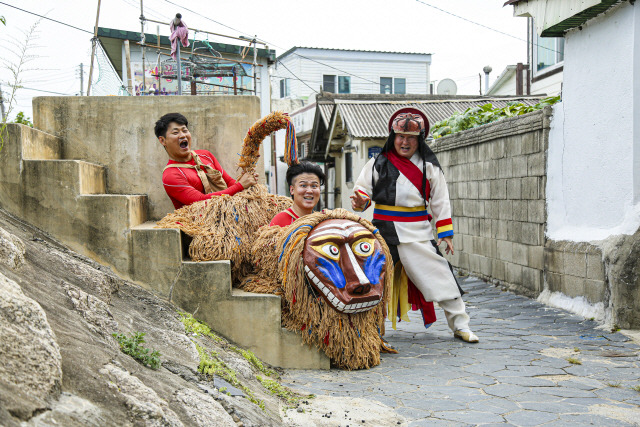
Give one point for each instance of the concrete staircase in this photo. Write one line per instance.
(69, 200)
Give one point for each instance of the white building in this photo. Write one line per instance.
(593, 170)
(542, 75)
(301, 72)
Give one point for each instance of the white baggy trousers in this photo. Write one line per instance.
(432, 276)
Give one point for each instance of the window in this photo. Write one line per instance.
(348, 167)
(285, 89)
(329, 83)
(400, 86)
(385, 84)
(547, 52)
(344, 84)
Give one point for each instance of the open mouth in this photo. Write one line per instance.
(184, 144)
(335, 302)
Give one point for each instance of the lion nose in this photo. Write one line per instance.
(358, 289)
(357, 281)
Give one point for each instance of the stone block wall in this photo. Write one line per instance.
(496, 178)
(576, 269)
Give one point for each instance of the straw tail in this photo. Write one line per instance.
(259, 131)
(291, 146)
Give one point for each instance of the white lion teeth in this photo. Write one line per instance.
(333, 299)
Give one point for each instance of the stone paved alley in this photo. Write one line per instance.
(534, 365)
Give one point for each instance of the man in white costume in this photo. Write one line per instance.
(403, 181)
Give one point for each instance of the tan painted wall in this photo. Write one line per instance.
(117, 132)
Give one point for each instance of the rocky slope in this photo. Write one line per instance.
(60, 364)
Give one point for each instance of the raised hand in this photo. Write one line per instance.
(248, 180)
(358, 201)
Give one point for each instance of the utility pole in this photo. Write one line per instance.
(142, 39)
(81, 80)
(127, 54)
(94, 40)
(1, 103)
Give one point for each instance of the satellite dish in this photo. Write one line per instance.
(447, 87)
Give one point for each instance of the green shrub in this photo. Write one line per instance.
(484, 114)
(132, 346)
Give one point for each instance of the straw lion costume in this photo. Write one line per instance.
(332, 268)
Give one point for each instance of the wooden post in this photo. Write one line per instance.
(528, 79)
(93, 49)
(127, 53)
(519, 85)
(193, 87)
(235, 84)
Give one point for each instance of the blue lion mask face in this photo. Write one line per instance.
(345, 264)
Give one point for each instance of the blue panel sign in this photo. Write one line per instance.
(374, 151)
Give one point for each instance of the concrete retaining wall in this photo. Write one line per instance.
(117, 132)
(496, 178)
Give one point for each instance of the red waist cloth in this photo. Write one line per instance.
(183, 186)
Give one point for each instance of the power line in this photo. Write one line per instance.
(482, 25)
(39, 90)
(206, 17)
(303, 82)
(275, 45)
(44, 17)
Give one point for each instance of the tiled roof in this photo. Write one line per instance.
(370, 119)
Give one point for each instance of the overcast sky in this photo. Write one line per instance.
(460, 48)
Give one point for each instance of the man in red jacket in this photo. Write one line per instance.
(181, 179)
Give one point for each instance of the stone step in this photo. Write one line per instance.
(76, 176)
(35, 143)
(250, 320)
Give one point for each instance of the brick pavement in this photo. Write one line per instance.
(521, 373)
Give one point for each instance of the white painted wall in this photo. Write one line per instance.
(551, 85)
(593, 165)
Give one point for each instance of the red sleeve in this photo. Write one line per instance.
(283, 219)
(216, 164)
(177, 187)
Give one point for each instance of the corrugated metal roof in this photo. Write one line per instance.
(371, 119)
(325, 113)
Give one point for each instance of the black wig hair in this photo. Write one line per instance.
(163, 123)
(304, 167)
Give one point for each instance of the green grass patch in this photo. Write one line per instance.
(211, 364)
(636, 388)
(574, 361)
(615, 385)
(132, 345)
(255, 361)
(281, 391)
(193, 326)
